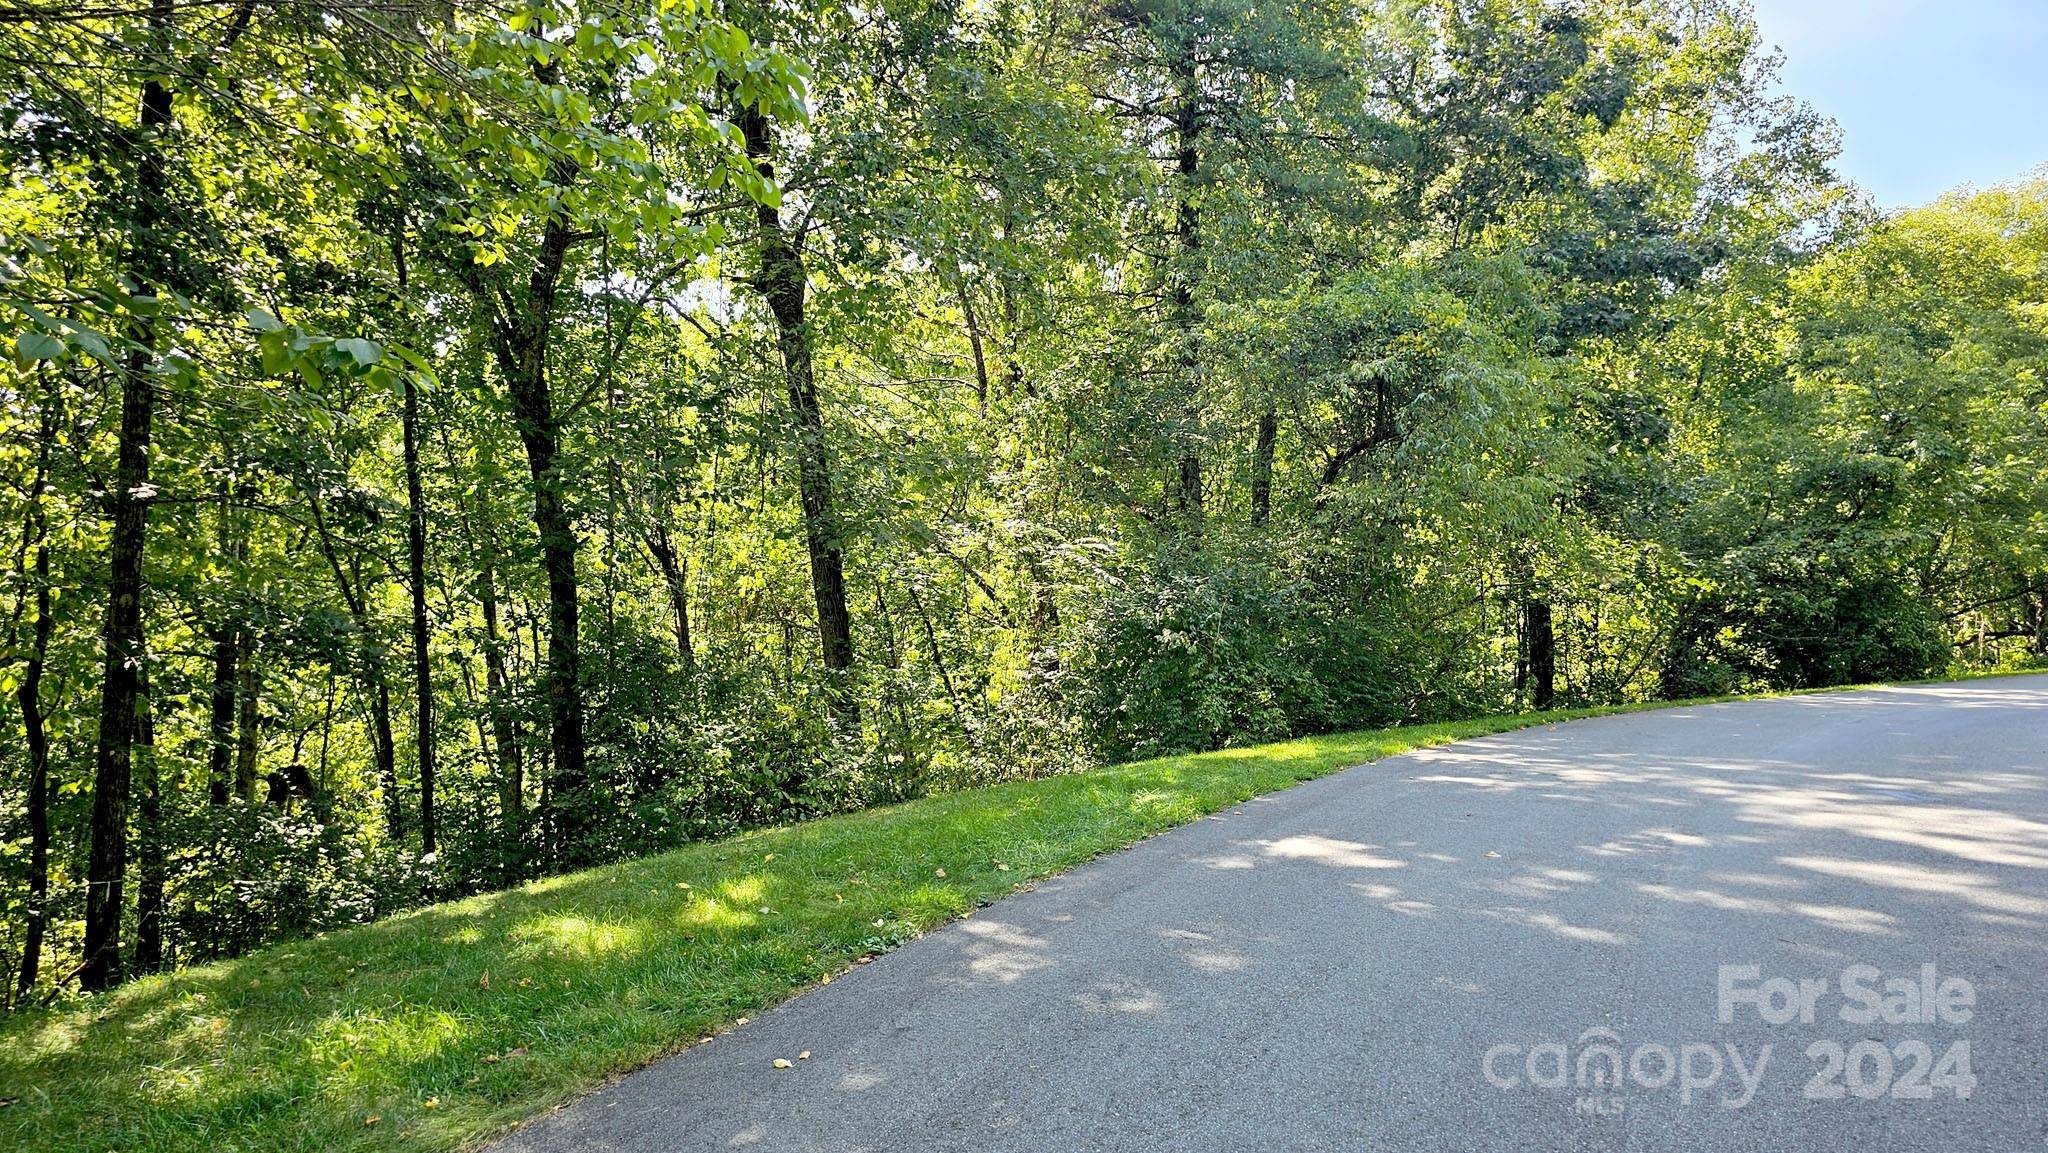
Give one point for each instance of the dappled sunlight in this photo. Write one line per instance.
(1286, 750)
(566, 934)
(1556, 926)
(1758, 880)
(1392, 899)
(746, 890)
(369, 1046)
(712, 913)
(1119, 997)
(1001, 952)
(1537, 884)
(1328, 851)
(1216, 960)
(1848, 920)
(1983, 835)
(857, 1081)
(1654, 840)
(1973, 888)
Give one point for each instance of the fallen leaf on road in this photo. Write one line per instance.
(804, 1056)
(782, 1062)
(1491, 853)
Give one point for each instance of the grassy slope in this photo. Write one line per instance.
(452, 1023)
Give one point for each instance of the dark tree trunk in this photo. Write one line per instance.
(227, 648)
(106, 872)
(369, 665)
(1262, 467)
(675, 574)
(511, 766)
(29, 694)
(781, 281)
(384, 747)
(149, 844)
(2037, 616)
(505, 734)
(220, 720)
(931, 640)
(120, 696)
(416, 573)
(1187, 234)
(1542, 646)
(522, 342)
(248, 738)
(568, 778)
(974, 341)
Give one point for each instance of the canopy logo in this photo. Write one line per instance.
(1599, 1068)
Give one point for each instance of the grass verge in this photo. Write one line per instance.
(442, 1027)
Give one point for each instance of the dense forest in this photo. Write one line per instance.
(447, 444)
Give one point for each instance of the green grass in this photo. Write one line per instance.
(450, 1024)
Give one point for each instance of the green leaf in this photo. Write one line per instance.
(263, 320)
(363, 352)
(38, 346)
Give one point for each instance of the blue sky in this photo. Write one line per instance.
(1929, 93)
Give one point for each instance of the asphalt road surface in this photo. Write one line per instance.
(1546, 940)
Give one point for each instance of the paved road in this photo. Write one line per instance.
(1329, 968)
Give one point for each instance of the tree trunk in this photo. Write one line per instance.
(29, 694)
(227, 647)
(2037, 611)
(931, 640)
(384, 747)
(505, 734)
(416, 571)
(369, 666)
(247, 738)
(974, 341)
(523, 359)
(675, 573)
(1262, 467)
(1542, 644)
(220, 721)
(1187, 233)
(149, 844)
(781, 281)
(120, 693)
(511, 767)
(122, 632)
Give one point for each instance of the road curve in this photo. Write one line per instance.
(1422, 953)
